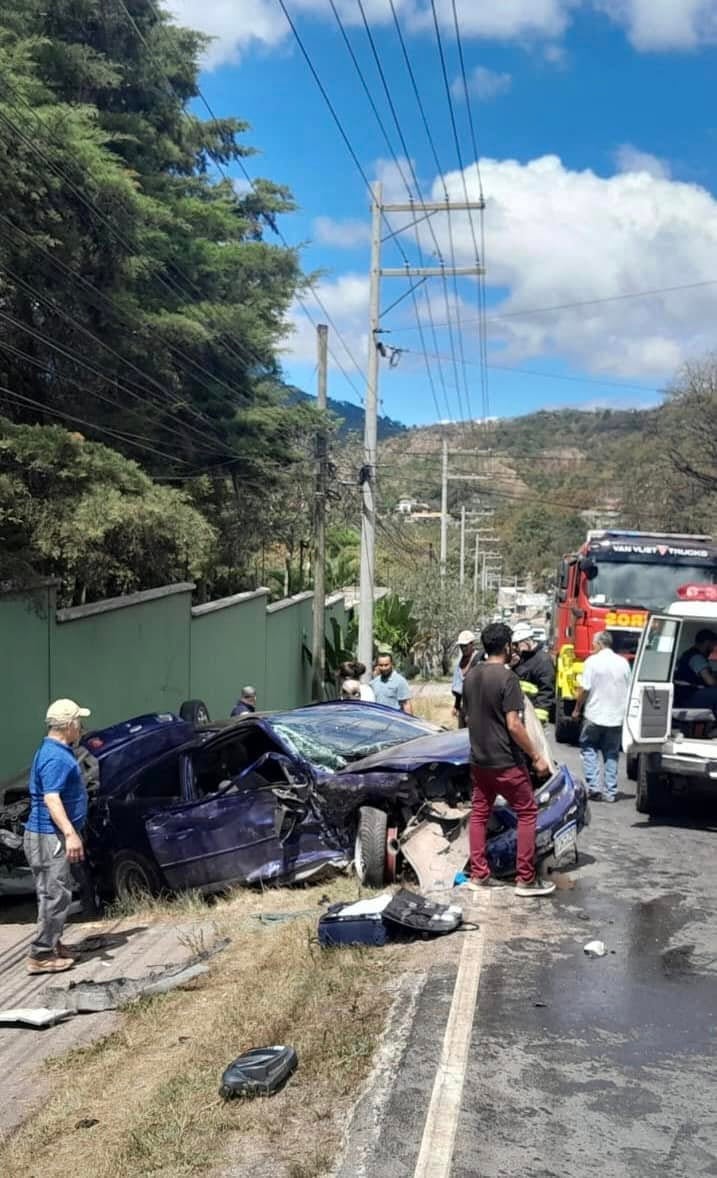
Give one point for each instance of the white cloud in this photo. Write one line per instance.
(484, 83)
(659, 25)
(346, 299)
(555, 237)
(631, 159)
(237, 25)
(341, 234)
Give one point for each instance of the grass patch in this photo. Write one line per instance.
(152, 1085)
(434, 708)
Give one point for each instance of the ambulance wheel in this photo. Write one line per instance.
(370, 848)
(631, 767)
(652, 794)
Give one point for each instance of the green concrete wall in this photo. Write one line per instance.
(229, 651)
(25, 624)
(288, 672)
(144, 653)
(124, 661)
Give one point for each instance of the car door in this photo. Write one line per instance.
(230, 836)
(648, 719)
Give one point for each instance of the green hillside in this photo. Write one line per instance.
(549, 476)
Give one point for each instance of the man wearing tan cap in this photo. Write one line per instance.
(466, 643)
(53, 842)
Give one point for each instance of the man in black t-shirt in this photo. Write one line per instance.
(500, 750)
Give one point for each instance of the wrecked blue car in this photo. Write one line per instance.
(278, 798)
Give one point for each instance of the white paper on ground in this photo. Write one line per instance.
(367, 907)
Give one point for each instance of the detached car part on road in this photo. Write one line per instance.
(176, 805)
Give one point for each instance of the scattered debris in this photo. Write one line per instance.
(406, 915)
(87, 1123)
(540, 1005)
(595, 949)
(91, 997)
(259, 1072)
(39, 1016)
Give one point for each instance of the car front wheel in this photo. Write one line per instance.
(370, 848)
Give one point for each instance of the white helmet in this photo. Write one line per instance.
(523, 632)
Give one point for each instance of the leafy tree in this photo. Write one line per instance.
(119, 242)
(79, 512)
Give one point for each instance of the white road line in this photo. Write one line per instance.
(439, 1133)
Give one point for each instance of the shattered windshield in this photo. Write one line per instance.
(334, 736)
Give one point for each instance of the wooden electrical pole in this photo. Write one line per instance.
(318, 665)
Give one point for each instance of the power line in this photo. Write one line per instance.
(459, 153)
(639, 294)
(252, 183)
(142, 397)
(482, 332)
(439, 169)
(551, 375)
(132, 439)
(399, 168)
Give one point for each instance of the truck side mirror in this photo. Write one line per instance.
(589, 568)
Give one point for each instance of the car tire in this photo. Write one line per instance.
(134, 875)
(631, 767)
(564, 724)
(651, 796)
(195, 711)
(370, 850)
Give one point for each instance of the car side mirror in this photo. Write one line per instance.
(589, 568)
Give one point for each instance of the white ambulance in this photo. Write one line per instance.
(672, 749)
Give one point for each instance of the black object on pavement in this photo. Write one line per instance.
(411, 914)
(259, 1072)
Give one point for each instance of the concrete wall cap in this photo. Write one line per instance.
(75, 612)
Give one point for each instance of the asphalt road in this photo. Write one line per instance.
(579, 1066)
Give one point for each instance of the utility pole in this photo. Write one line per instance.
(444, 509)
(475, 572)
(420, 211)
(368, 472)
(318, 665)
(446, 477)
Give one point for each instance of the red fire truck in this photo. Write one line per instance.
(612, 583)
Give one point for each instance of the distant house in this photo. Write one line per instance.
(410, 507)
(406, 506)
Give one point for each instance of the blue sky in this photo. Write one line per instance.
(597, 134)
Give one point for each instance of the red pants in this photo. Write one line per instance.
(515, 786)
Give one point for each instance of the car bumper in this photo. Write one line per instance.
(682, 766)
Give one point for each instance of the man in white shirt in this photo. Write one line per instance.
(602, 700)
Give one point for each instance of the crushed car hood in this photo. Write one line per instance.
(451, 747)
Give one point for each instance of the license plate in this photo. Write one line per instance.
(565, 841)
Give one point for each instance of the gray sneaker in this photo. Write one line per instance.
(536, 887)
(482, 885)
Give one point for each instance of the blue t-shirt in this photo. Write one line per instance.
(55, 771)
(391, 692)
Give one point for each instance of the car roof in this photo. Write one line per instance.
(705, 611)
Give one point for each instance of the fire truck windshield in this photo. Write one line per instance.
(650, 586)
